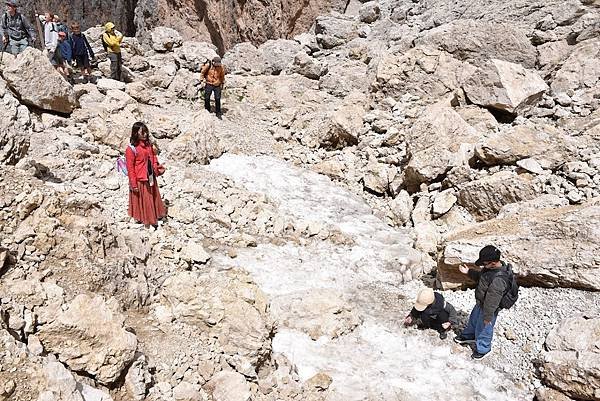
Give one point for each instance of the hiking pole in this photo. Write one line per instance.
(3, 50)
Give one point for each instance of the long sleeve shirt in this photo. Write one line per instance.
(138, 161)
(113, 42)
(16, 27)
(214, 75)
(80, 46)
(50, 36)
(490, 289)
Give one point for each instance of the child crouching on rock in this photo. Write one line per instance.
(431, 311)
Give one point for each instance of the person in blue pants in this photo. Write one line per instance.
(491, 287)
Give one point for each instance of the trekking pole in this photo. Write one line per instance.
(3, 50)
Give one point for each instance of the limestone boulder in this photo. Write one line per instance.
(192, 55)
(186, 85)
(15, 124)
(38, 84)
(580, 69)
(546, 143)
(334, 31)
(279, 54)
(504, 86)
(550, 247)
(229, 386)
(345, 125)
(197, 143)
(369, 12)
(245, 59)
(308, 66)
(344, 77)
(476, 41)
(105, 84)
(485, 197)
(103, 348)
(422, 71)
(164, 39)
(227, 307)
(438, 140)
(571, 360)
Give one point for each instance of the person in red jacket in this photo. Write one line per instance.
(145, 204)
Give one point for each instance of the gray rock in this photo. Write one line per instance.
(245, 59)
(443, 202)
(308, 66)
(279, 54)
(334, 31)
(369, 12)
(165, 39)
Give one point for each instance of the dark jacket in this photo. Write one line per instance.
(490, 290)
(65, 50)
(80, 46)
(437, 313)
(16, 27)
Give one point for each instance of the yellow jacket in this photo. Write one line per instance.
(113, 42)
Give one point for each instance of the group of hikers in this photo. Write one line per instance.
(496, 290)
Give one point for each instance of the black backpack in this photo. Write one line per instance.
(512, 293)
(103, 42)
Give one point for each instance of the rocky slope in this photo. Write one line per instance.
(353, 165)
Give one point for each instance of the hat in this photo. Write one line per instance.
(216, 60)
(424, 299)
(11, 3)
(108, 26)
(62, 33)
(488, 253)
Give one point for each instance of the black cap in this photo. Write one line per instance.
(488, 253)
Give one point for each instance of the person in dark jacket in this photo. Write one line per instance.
(431, 311)
(490, 289)
(15, 29)
(81, 50)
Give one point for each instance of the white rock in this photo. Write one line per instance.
(195, 253)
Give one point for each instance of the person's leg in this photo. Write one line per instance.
(218, 101)
(21, 45)
(484, 336)
(469, 332)
(119, 66)
(207, 92)
(113, 65)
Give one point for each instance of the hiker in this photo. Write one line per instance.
(81, 50)
(111, 40)
(60, 26)
(431, 311)
(17, 33)
(145, 204)
(213, 76)
(65, 52)
(491, 287)
(51, 43)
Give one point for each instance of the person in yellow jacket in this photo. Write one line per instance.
(213, 76)
(112, 39)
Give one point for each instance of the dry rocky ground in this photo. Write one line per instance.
(353, 165)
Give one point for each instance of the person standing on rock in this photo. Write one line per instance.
(17, 32)
(431, 311)
(81, 50)
(491, 287)
(213, 76)
(145, 203)
(112, 39)
(51, 43)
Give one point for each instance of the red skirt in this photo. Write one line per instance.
(146, 206)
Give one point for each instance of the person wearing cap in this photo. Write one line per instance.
(488, 294)
(112, 40)
(17, 33)
(51, 41)
(81, 50)
(432, 311)
(213, 76)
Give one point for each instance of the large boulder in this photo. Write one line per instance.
(308, 66)
(228, 308)
(437, 141)
(333, 31)
(197, 143)
(245, 59)
(422, 71)
(192, 55)
(15, 124)
(165, 39)
(103, 348)
(229, 386)
(485, 197)
(571, 360)
(476, 41)
(38, 84)
(551, 247)
(279, 54)
(504, 86)
(346, 123)
(580, 70)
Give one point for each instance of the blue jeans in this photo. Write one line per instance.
(17, 46)
(476, 330)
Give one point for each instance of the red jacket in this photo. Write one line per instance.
(137, 163)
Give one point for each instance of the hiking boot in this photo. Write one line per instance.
(220, 116)
(85, 80)
(463, 340)
(443, 335)
(477, 356)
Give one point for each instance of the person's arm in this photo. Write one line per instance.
(159, 169)
(474, 275)
(204, 71)
(68, 53)
(493, 296)
(452, 315)
(112, 40)
(29, 28)
(130, 161)
(222, 76)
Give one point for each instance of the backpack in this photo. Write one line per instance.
(122, 163)
(512, 293)
(5, 22)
